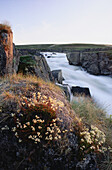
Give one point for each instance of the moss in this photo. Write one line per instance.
(26, 61)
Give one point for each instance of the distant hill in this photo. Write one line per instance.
(65, 47)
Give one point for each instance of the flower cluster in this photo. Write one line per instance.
(91, 139)
(53, 103)
(37, 120)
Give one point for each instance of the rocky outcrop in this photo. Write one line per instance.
(35, 65)
(80, 90)
(97, 63)
(66, 89)
(6, 50)
(31, 99)
(57, 74)
(16, 59)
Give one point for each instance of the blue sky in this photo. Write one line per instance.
(58, 21)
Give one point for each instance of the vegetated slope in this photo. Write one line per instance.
(91, 114)
(40, 130)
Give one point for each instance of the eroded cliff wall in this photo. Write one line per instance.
(97, 63)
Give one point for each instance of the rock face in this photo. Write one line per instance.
(16, 59)
(13, 61)
(2, 61)
(6, 50)
(35, 65)
(97, 63)
(80, 90)
(66, 89)
(57, 74)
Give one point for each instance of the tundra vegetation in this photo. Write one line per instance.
(37, 114)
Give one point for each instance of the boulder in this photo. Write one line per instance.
(49, 56)
(80, 90)
(57, 74)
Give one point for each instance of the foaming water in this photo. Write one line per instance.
(100, 86)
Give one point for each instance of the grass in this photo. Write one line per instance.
(90, 114)
(5, 28)
(88, 111)
(93, 115)
(61, 47)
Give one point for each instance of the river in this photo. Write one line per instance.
(100, 86)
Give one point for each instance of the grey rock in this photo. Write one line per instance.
(93, 69)
(57, 74)
(97, 63)
(66, 89)
(80, 90)
(35, 65)
(16, 59)
(74, 60)
(88, 164)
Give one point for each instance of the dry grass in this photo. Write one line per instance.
(5, 27)
(29, 79)
(92, 115)
(88, 111)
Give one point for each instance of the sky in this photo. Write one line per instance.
(58, 21)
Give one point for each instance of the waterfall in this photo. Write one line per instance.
(100, 86)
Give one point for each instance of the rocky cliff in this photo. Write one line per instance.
(6, 49)
(97, 63)
(35, 65)
(14, 61)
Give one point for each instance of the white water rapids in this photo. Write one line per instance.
(100, 86)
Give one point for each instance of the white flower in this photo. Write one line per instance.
(28, 123)
(37, 140)
(34, 121)
(12, 114)
(38, 133)
(39, 127)
(30, 137)
(16, 134)
(55, 138)
(33, 129)
(14, 129)
(48, 129)
(36, 117)
(20, 140)
(82, 140)
(24, 126)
